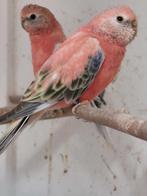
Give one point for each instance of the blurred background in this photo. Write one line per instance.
(68, 157)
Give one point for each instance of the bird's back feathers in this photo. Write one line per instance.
(72, 68)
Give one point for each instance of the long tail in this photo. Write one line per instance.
(16, 128)
(11, 134)
(22, 115)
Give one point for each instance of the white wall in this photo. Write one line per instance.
(92, 166)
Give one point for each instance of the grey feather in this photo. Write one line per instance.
(12, 134)
(22, 110)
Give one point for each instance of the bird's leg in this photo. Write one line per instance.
(99, 101)
(74, 109)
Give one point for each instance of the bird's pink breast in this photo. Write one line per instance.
(43, 46)
(111, 66)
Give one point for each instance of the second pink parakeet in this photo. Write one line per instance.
(45, 33)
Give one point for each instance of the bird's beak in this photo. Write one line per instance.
(23, 22)
(134, 24)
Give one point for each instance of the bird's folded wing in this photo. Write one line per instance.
(64, 76)
(68, 72)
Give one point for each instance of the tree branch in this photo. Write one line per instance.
(5, 110)
(115, 119)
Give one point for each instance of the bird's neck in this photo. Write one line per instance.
(110, 39)
(102, 36)
(43, 45)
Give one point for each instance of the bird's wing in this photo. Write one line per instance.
(64, 76)
(68, 72)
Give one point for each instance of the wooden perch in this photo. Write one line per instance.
(115, 119)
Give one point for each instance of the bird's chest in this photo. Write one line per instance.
(107, 72)
(113, 56)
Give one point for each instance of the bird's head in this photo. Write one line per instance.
(118, 25)
(35, 19)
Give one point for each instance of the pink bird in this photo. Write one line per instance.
(84, 65)
(45, 39)
(45, 33)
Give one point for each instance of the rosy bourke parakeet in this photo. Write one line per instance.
(45, 33)
(83, 66)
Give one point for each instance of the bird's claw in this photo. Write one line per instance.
(74, 109)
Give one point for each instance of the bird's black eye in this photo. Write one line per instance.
(33, 16)
(120, 18)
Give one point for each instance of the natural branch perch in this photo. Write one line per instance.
(111, 118)
(114, 119)
(5, 110)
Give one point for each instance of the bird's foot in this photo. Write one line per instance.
(75, 108)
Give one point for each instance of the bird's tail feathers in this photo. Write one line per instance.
(36, 117)
(10, 135)
(17, 127)
(22, 110)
